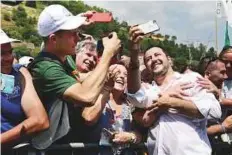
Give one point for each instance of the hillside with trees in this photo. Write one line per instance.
(20, 21)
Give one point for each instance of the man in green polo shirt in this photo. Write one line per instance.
(54, 74)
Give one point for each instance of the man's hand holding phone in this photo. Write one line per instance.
(88, 16)
(111, 44)
(101, 17)
(135, 34)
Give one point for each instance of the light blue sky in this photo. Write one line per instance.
(190, 21)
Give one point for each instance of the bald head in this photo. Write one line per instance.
(213, 65)
(216, 72)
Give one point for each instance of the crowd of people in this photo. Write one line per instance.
(71, 92)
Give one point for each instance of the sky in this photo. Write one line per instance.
(190, 21)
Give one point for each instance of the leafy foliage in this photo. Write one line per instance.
(21, 51)
(6, 16)
(25, 30)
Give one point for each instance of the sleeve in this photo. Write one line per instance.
(56, 80)
(206, 102)
(144, 97)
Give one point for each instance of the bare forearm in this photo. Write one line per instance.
(214, 129)
(37, 119)
(226, 102)
(185, 107)
(95, 82)
(134, 82)
(26, 128)
(92, 114)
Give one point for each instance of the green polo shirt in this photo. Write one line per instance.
(51, 77)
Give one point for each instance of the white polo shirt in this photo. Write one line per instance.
(175, 133)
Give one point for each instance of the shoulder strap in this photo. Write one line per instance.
(39, 59)
(71, 70)
(17, 67)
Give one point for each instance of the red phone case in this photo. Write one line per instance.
(102, 17)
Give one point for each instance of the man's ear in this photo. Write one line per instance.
(170, 60)
(52, 38)
(207, 74)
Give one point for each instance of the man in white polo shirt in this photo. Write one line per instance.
(177, 117)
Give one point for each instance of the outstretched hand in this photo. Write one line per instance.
(207, 84)
(88, 16)
(113, 70)
(135, 37)
(178, 90)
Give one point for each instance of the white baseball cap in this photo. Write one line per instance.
(25, 60)
(57, 17)
(5, 39)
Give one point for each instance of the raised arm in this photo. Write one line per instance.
(92, 114)
(89, 90)
(134, 82)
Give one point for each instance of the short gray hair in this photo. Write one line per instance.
(81, 46)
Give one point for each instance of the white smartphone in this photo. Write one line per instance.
(149, 27)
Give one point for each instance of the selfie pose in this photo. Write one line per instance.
(177, 108)
(55, 76)
(109, 121)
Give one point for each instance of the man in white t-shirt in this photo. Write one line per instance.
(178, 117)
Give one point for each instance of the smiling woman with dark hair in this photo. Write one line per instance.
(110, 119)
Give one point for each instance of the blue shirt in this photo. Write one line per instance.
(11, 110)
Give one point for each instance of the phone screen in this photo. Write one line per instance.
(149, 27)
